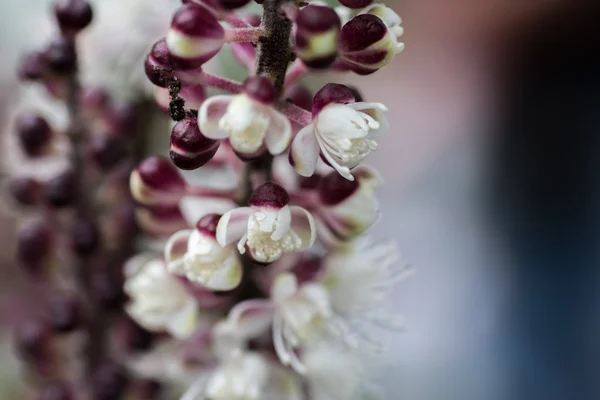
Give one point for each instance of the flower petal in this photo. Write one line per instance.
(210, 114)
(233, 225)
(183, 323)
(282, 224)
(252, 317)
(279, 133)
(175, 250)
(304, 153)
(284, 286)
(303, 224)
(227, 277)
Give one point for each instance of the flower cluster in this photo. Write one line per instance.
(266, 279)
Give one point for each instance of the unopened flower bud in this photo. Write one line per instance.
(366, 44)
(32, 66)
(316, 37)
(56, 391)
(61, 191)
(61, 56)
(73, 15)
(355, 3)
(190, 149)
(85, 237)
(157, 182)
(34, 245)
(34, 133)
(195, 36)
(109, 382)
(159, 65)
(123, 119)
(65, 315)
(161, 221)
(227, 4)
(26, 191)
(106, 151)
(94, 101)
(33, 341)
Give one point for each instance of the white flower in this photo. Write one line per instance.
(269, 227)
(242, 377)
(158, 300)
(248, 119)
(198, 256)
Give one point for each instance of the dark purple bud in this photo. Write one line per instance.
(56, 391)
(94, 100)
(190, 149)
(106, 151)
(161, 221)
(195, 36)
(85, 237)
(109, 382)
(157, 182)
(33, 341)
(159, 65)
(334, 188)
(34, 133)
(316, 37)
(269, 195)
(228, 4)
(107, 289)
(358, 97)
(73, 15)
(32, 66)
(261, 89)
(299, 95)
(123, 119)
(65, 315)
(355, 3)
(331, 93)
(61, 56)
(208, 224)
(26, 191)
(61, 191)
(34, 245)
(308, 269)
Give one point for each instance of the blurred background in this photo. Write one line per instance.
(492, 188)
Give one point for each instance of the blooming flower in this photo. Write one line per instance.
(269, 227)
(342, 131)
(158, 300)
(197, 255)
(248, 119)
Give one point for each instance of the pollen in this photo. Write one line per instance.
(263, 248)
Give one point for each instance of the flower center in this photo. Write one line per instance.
(260, 243)
(245, 124)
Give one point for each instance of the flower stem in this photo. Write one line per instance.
(199, 77)
(244, 35)
(295, 113)
(295, 73)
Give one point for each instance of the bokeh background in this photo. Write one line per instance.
(491, 191)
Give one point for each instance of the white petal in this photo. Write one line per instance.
(227, 277)
(341, 121)
(233, 225)
(283, 223)
(252, 318)
(284, 286)
(279, 133)
(341, 169)
(305, 151)
(303, 224)
(183, 323)
(175, 250)
(209, 115)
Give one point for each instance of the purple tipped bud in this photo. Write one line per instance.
(95, 101)
(208, 224)
(26, 191)
(109, 382)
(334, 188)
(106, 151)
(195, 36)
(159, 65)
(73, 15)
(190, 149)
(161, 221)
(227, 4)
(269, 195)
(366, 44)
(123, 119)
(61, 191)
(56, 391)
(331, 93)
(355, 3)
(33, 341)
(299, 95)
(32, 66)
(34, 133)
(85, 237)
(34, 245)
(358, 97)
(317, 29)
(61, 56)
(65, 315)
(261, 89)
(157, 182)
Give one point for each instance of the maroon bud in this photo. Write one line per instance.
(334, 188)
(61, 191)
(299, 95)
(26, 191)
(190, 149)
(208, 224)
(308, 269)
(316, 37)
(109, 382)
(261, 89)
(355, 3)
(34, 244)
(94, 100)
(161, 221)
(107, 289)
(123, 119)
(65, 315)
(106, 151)
(269, 195)
(56, 391)
(358, 97)
(73, 15)
(157, 182)
(34, 133)
(33, 341)
(85, 237)
(331, 93)
(61, 56)
(228, 4)
(159, 65)
(32, 66)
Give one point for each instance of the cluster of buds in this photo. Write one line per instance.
(76, 227)
(265, 280)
